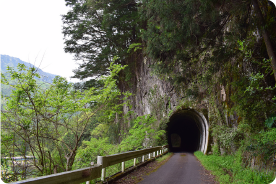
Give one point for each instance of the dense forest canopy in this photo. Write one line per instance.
(172, 32)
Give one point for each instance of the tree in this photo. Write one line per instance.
(96, 31)
(189, 34)
(51, 122)
(265, 34)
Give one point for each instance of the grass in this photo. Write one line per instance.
(164, 157)
(228, 169)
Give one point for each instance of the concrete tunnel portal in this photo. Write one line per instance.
(187, 131)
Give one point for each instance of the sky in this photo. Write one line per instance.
(31, 30)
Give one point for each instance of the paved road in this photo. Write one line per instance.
(182, 168)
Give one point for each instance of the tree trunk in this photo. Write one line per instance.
(55, 169)
(268, 44)
(70, 160)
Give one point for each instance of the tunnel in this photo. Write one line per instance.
(187, 131)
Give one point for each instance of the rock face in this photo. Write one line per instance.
(206, 107)
(151, 92)
(162, 99)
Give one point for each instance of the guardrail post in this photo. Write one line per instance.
(103, 174)
(123, 167)
(153, 154)
(143, 158)
(100, 161)
(87, 182)
(134, 162)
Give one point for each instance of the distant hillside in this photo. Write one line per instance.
(6, 60)
(13, 62)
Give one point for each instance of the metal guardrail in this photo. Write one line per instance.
(72, 177)
(97, 171)
(109, 160)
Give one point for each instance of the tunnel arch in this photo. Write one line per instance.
(191, 127)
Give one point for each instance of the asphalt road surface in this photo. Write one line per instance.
(182, 168)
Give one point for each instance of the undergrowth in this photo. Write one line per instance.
(164, 157)
(229, 169)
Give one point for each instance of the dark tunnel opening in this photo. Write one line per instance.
(183, 134)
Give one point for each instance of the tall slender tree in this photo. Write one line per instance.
(268, 43)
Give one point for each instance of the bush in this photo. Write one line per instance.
(229, 169)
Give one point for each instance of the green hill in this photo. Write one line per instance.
(13, 62)
(46, 78)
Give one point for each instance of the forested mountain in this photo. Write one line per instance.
(13, 62)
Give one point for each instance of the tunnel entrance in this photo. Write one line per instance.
(187, 131)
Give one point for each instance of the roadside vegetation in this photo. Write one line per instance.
(65, 128)
(231, 169)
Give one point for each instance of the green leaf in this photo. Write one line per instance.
(270, 121)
